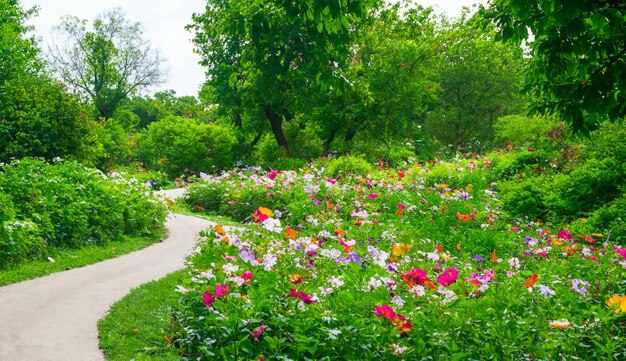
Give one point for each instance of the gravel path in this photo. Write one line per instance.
(55, 317)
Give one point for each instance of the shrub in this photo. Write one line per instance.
(349, 165)
(175, 144)
(70, 206)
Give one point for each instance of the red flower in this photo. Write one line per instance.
(416, 276)
(530, 281)
(301, 295)
(247, 276)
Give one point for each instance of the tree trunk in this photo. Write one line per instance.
(276, 122)
(350, 134)
(329, 140)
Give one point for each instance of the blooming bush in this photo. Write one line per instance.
(67, 205)
(391, 265)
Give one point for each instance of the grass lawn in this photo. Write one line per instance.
(135, 327)
(74, 258)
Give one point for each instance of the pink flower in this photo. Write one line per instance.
(272, 175)
(416, 276)
(448, 277)
(565, 234)
(208, 298)
(385, 311)
(221, 290)
(372, 196)
(401, 206)
(301, 295)
(247, 276)
(256, 334)
(620, 251)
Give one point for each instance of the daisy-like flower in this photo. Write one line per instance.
(545, 291)
(617, 303)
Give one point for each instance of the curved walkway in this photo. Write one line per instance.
(55, 317)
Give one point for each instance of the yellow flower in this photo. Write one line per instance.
(442, 186)
(617, 303)
(400, 249)
(268, 212)
(560, 324)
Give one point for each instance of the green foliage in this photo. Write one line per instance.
(348, 165)
(263, 55)
(175, 144)
(108, 63)
(570, 182)
(70, 206)
(117, 147)
(479, 81)
(578, 58)
(522, 130)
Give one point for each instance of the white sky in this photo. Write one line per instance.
(164, 23)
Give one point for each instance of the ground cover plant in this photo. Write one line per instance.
(63, 206)
(414, 263)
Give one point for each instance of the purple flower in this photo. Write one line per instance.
(478, 258)
(579, 286)
(545, 291)
(354, 258)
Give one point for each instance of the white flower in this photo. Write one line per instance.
(182, 289)
(208, 274)
(397, 349)
(272, 225)
(374, 283)
(433, 256)
(269, 261)
(514, 263)
(336, 282)
(330, 253)
(418, 290)
(230, 268)
(332, 334)
(398, 301)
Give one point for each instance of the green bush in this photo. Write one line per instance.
(523, 130)
(70, 206)
(20, 241)
(117, 147)
(348, 165)
(174, 144)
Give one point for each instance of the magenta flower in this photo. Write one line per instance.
(384, 311)
(448, 277)
(620, 251)
(256, 334)
(401, 206)
(372, 196)
(301, 295)
(247, 276)
(221, 290)
(565, 234)
(208, 298)
(272, 175)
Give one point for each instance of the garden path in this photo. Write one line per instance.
(55, 317)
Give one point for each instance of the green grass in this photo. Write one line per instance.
(68, 259)
(135, 327)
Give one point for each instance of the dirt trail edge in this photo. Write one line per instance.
(55, 317)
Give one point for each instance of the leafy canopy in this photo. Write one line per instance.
(578, 55)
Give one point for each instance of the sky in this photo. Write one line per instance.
(163, 23)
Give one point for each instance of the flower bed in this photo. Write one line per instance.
(393, 265)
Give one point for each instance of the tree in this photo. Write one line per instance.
(37, 115)
(108, 63)
(260, 53)
(578, 55)
(478, 81)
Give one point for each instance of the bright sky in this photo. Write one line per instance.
(164, 25)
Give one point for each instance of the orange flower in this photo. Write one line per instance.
(340, 232)
(617, 303)
(494, 258)
(220, 230)
(199, 208)
(291, 233)
(399, 212)
(430, 284)
(530, 281)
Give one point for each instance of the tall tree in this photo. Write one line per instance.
(578, 55)
(258, 53)
(37, 115)
(109, 62)
(479, 81)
